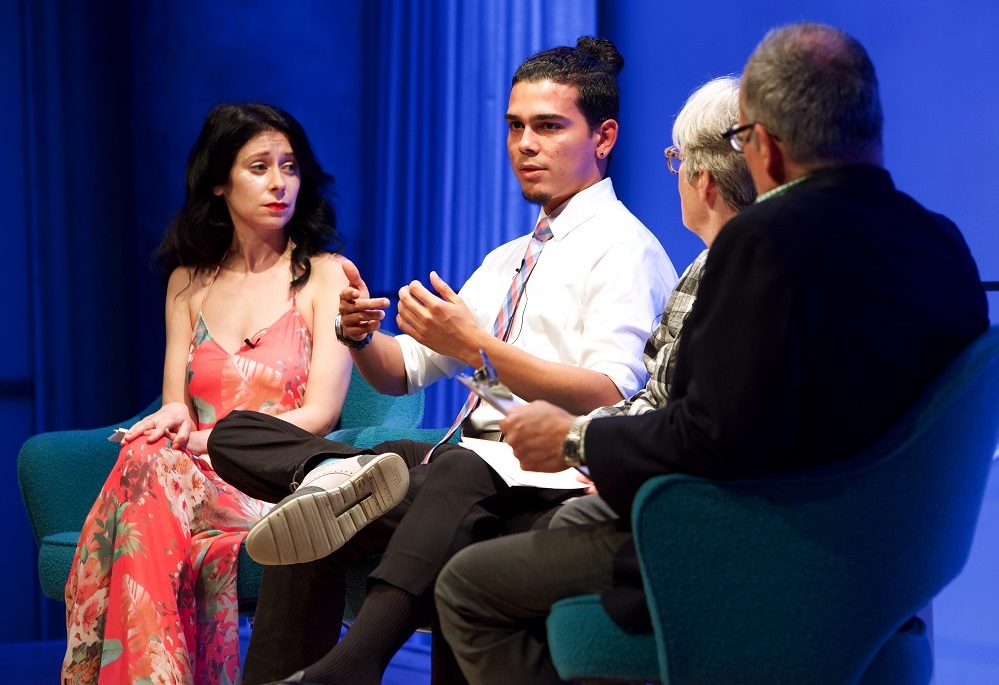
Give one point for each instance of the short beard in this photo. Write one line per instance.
(537, 197)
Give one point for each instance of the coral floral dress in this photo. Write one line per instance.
(152, 594)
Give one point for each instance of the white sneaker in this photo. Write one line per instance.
(328, 508)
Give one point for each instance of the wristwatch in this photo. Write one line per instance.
(572, 448)
(355, 344)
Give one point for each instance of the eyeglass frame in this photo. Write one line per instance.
(671, 153)
(734, 134)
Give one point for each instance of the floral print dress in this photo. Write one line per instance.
(152, 597)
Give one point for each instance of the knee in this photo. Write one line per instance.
(460, 463)
(582, 511)
(142, 465)
(239, 419)
(231, 430)
(139, 454)
(564, 516)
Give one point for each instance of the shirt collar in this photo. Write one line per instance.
(779, 190)
(579, 208)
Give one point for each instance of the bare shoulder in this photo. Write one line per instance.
(184, 285)
(327, 269)
(185, 291)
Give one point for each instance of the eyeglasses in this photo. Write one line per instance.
(738, 136)
(673, 159)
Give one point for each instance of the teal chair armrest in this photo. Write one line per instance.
(600, 652)
(60, 474)
(55, 558)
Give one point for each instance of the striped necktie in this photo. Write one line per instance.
(501, 327)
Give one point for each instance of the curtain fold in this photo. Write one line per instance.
(442, 194)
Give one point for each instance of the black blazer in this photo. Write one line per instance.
(820, 316)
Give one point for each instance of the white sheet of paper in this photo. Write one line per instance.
(499, 455)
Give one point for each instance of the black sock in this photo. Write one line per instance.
(386, 620)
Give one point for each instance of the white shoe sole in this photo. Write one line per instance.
(313, 522)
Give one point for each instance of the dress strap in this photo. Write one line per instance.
(214, 276)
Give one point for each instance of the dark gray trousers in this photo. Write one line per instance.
(493, 597)
(451, 503)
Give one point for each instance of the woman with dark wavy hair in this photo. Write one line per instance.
(252, 286)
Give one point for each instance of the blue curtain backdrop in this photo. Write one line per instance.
(442, 192)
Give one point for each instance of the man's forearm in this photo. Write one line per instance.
(576, 390)
(382, 365)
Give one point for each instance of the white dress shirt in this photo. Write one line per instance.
(592, 300)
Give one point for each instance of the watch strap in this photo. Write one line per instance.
(572, 449)
(354, 344)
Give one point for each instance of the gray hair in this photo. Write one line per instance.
(710, 110)
(813, 86)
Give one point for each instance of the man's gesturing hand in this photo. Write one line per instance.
(443, 323)
(359, 313)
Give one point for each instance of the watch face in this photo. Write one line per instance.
(570, 448)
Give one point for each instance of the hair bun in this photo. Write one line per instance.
(604, 50)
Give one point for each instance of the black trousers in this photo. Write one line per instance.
(451, 503)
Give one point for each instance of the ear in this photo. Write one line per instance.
(606, 138)
(707, 189)
(772, 154)
(219, 191)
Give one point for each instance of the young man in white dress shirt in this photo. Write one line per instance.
(597, 280)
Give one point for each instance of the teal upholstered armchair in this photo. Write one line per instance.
(809, 577)
(61, 473)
